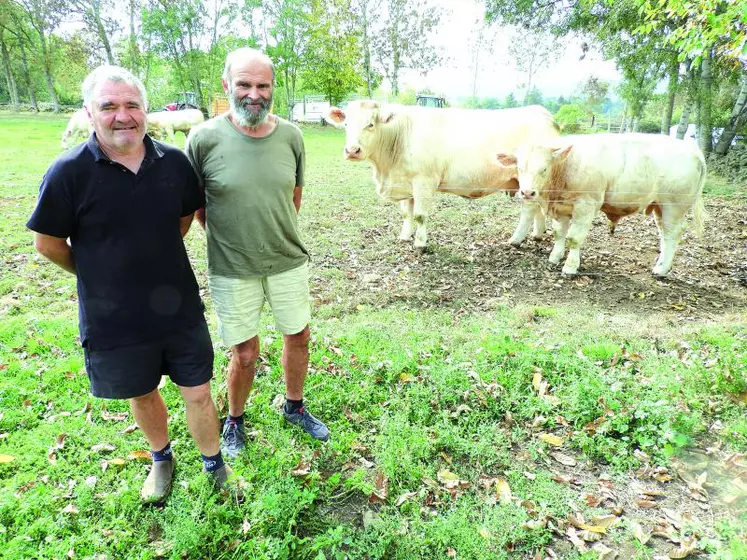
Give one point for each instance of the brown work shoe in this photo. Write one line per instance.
(158, 482)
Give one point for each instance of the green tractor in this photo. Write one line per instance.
(427, 100)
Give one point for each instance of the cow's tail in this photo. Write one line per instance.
(699, 212)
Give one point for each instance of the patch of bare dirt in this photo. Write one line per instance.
(468, 266)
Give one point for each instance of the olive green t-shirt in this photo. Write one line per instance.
(252, 227)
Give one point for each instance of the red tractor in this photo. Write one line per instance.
(184, 100)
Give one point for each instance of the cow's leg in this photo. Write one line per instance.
(422, 191)
(670, 221)
(583, 215)
(560, 229)
(539, 223)
(525, 221)
(408, 224)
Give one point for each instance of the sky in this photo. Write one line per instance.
(497, 74)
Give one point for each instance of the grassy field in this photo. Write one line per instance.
(467, 422)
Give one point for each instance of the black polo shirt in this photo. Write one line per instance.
(135, 281)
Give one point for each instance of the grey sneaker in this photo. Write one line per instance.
(158, 482)
(234, 439)
(225, 482)
(311, 425)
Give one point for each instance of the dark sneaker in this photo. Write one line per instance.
(226, 482)
(158, 482)
(234, 439)
(312, 426)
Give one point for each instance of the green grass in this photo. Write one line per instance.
(409, 388)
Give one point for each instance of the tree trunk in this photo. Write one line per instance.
(705, 130)
(134, 63)
(738, 114)
(685, 119)
(102, 32)
(10, 78)
(48, 74)
(27, 76)
(674, 74)
(366, 47)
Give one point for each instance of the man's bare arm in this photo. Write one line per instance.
(56, 250)
(297, 192)
(201, 216)
(184, 223)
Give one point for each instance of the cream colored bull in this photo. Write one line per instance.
(418, 151)
(163, 124)
(574, 177)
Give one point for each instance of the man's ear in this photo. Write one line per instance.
(335, 116)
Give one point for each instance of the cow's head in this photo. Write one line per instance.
(364, 122)
(534, 165)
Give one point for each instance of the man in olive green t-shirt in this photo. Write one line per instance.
(251, 165)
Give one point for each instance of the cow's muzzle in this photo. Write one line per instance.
(353, 152)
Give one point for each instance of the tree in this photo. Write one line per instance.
(510, 101)
(44, 16)
(99, 24)
(365, 11)
(332, 52)
(403, 40)
(531, 54)
(288, 28)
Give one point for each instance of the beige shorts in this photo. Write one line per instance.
(238, 303)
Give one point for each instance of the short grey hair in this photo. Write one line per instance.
(245, 52)
(108, 73)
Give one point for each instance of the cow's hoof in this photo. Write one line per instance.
(660, 272)
(515, 242)
(421, 249)
(568, 271)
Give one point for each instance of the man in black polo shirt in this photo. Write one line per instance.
(125, 202)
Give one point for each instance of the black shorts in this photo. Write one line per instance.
(135, 370)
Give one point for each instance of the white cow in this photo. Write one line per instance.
(78, 129)
(574, 177)
(418, 151)
(163, 124)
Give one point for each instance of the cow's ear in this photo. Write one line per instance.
(506, 160)
(335, 116)
(562, 153)
(386, 115)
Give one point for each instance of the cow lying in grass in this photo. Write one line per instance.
(418, 151)
(574, 177)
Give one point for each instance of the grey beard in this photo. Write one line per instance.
(246, 117)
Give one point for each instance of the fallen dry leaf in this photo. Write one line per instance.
(103, 448)
(605, 552)
(116, 462)
(592, 501)
(129, 429)
(687, 547)
(302, 469)
(640, 533)
(113, 417)
(6, 458)
(381, 489)
(589, 536)
(404, 497)
(245, 526)
(646, 504)
(572, 535)
(563, 459)
(605, 521)
(71, 509)
(552, 439)
(140, 455)
(503, 491)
